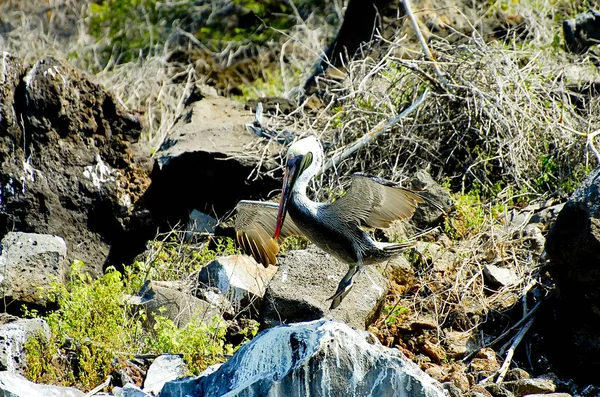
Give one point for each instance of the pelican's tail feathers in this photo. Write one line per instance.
(389, 250)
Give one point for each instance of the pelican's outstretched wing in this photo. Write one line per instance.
(254, 227)
(376, 202)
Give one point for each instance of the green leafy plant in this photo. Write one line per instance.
(200, 344)
(395, 314)
(91, 326)
(174, 259)
(131, 29)
(553, 178)
(471, 215)
(294, 243)
(94, 327)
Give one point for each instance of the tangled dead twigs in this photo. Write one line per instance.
(512, 120)
(371, 135)
(452, 291)
(426, 51)
(526, 318)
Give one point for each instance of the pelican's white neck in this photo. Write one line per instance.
(311, 145)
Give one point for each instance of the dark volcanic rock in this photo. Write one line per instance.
(582, 32)
(66, 161)
(573, 246)
(320, 358)
(206, 162)
(10, 76)
(572, 327)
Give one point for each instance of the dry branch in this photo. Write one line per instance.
(99, 388)
(375, 133)
(505, 333)
(424, 46)
(511, 351)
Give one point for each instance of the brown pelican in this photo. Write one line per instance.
(334, 227)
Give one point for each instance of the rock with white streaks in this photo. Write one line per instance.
(318, 358)
(69, 163)
(14, 333)
(14, 385)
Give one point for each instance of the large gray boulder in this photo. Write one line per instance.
(306, 279)
(15, 385)
(240, 279)
(29, 263)
(426, 215)
(67, 162)
(163, 369)
(319, 358)
(179, 306)
(212, 141)
(14, 333)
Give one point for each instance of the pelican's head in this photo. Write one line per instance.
(303, 159)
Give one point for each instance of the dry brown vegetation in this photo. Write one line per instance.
(511, 119)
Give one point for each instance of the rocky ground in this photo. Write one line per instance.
(119, 271)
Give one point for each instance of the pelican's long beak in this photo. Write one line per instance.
(289, 178)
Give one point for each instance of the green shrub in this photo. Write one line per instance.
(395, 314)
(174, 259)
(294, 243)
(94, 327)
(200, 344)
(552, 179)
(472, 215)
(131, 29)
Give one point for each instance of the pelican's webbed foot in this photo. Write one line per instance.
(344, 287)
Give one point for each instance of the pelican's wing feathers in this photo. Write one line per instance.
(376, 202)
(254, 227)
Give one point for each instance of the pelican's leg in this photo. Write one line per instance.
(344, 286)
